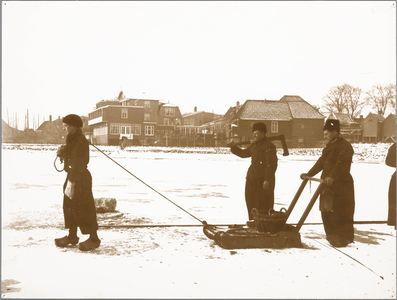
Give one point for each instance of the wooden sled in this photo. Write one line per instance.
(244, 237)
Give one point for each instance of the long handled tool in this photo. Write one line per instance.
(280, 138)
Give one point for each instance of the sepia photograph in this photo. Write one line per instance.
(198, 149)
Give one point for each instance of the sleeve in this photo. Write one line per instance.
(318, 167)
(271, 162)
(343, 161)
(243, 153)
(80, 160)
(391, 156)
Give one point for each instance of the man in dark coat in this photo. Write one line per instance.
(391, 162)
(337, 199)
(78, 201)
(260, 180)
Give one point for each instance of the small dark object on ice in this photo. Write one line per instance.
(105, 205)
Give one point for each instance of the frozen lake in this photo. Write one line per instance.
(209, 186)
(182, 261)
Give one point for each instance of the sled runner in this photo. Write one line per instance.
(269, 229)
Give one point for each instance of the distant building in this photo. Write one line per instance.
(146, 121)
(8, 133)
(349, 128)
(299, 122)
(50, 132)
(389, 129)
(372, 128)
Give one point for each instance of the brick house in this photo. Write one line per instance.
(147, 121)
(296, 119)
(196, 129)
(372, 128)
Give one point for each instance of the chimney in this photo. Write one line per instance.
(237, 105)
(195, 109)
(50, 118)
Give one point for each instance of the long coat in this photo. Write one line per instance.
(263, 168)
(391, 162)
(337, 201)
(79, 211)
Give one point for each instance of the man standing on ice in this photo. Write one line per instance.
(337, 199)
(261, 179)
(78, 201)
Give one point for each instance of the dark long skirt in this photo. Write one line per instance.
(391, 220)
(80, 211)
(257, 197)
(340, 222)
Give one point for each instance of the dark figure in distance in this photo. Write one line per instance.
(260, 180)
(337, 199)
(78, 201)
(391, 162)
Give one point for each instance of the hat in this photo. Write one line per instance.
(332, 125)
(260, 127)
(73, 120)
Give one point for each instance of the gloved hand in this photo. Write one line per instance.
(69, 190)
(303, 176)
(266, 185)
(61, 153)
(328, 180)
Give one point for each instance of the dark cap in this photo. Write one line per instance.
(260, 127)
(73, 120)
(332, 125)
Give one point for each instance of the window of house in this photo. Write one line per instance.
(191, 121)
(146, 118)
(125, 129)
(136, 129)
(114, 128)
(186, 121)
(166, 121)
(170, 112)
(149, 130)
(274, 127)
(124, 113)
(146, 105)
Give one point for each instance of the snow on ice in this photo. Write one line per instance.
(181, 262)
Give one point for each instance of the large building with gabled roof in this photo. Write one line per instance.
(299, 122)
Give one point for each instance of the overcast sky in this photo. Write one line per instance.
(64, 57)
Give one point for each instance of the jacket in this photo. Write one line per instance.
(263, 159)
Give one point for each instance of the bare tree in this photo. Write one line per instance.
(381, 97)
(353, 104)
(392, 103)
(344, 99)
(333, 101)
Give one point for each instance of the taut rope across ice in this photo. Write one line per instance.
(203, 222)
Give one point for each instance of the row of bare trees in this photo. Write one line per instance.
(349, 100)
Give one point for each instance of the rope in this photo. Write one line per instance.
(55, 166)
(331, 247)
(203, 222)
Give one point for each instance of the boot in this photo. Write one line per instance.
(63, 242)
